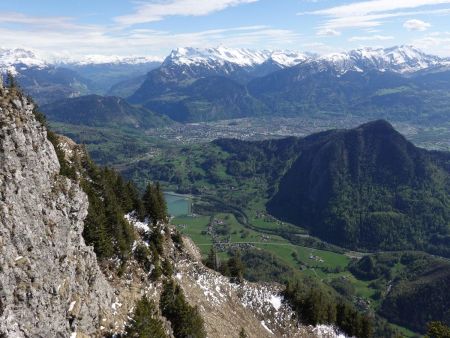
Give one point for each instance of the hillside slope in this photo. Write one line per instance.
(367, 188)
(100, 111)
(53, 284)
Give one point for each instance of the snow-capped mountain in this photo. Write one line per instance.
(402, 59)
(110, 59)
(54, 78)
(220, 56)
(14, 60)
(399, 59)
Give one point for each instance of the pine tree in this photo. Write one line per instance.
(155, 203)
(150, 203)
(236, 267)
(185, 319)
(167, 268)
(162, 205)
(10, 80)
(157, 271)
(212, 261)
(137, 204)
(145, 323)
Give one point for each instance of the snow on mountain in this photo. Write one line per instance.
(111, 59)
(289, 58)
(216, 57)
(14, 59)
(402, 59)
(212, 57)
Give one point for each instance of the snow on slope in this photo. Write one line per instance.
(214, 57)
(14, 59)
(402, 59)
(227, 306)
(111, 59)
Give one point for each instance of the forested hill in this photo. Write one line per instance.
(368, 188)
(99, 111)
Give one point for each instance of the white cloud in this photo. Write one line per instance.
(371, 38)
(416, 25)
(77, 43)
(437, 43)
(43, 22)
(369, 14)
(151, 11)
(328, 32)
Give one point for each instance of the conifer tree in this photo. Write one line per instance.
(236, 266)
(145, 323)
(185, 319)
(212, 259)
(155, 203)
(10, 80)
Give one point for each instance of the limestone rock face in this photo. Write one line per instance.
(50, 283)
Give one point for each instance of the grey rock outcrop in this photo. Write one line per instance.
(50, 283)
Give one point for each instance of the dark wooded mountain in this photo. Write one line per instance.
(317, 88)
(100, 111)
(210, 98)
(368, 188)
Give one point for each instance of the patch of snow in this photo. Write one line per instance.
(325, 331)
(288, 58)
(131, 217)
(265, 326)
(71, 306)
(276, 302)
(179, 276)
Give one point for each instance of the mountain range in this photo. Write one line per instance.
(191, 84)
(396, 83)
(51, 80)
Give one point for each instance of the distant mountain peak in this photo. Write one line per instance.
(97, 59)
(379, 127)
(9, 58)
(213, 57)
(399, 59)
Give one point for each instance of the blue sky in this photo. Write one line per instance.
(154, 27)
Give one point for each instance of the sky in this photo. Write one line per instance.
(63, 28)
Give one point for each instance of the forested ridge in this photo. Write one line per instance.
(368, 188)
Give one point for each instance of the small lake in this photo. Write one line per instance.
(178, 205)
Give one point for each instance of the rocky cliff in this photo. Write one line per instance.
(51, 284)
